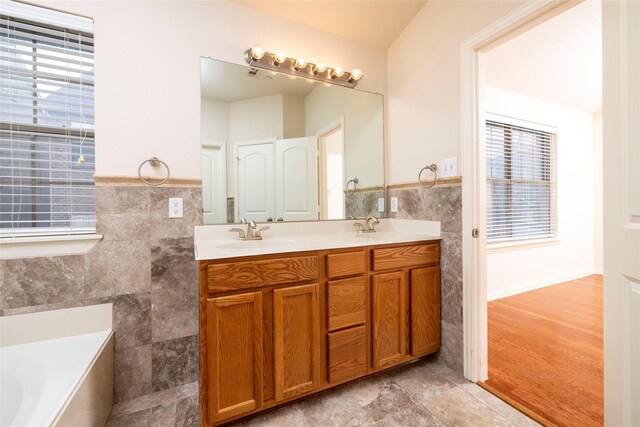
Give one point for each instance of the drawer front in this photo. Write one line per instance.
(250, 274)
(405, 256)
(347, 354)
(346, 303)
(346, 264)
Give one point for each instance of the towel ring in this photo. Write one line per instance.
(433, 168)
(154, 162)
(355, 186)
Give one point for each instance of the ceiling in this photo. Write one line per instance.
(559, 61)
(228, 82)
(373, 22)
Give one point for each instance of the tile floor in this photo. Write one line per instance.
(422, 393)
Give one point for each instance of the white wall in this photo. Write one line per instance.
(148, 71)
(215, 120)
(293, 116)
(598, 195)
(423, 86)
(256, 118)
(573, 256)
(363, 129)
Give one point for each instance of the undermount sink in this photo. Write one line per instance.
(248, 244)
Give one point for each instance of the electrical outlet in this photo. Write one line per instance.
(394, 204)
(175, 207)
(380, 204)
(448, 167)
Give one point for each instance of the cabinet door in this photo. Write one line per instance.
(425, 310)
(296, 340)
(234, 353)
(389, 315)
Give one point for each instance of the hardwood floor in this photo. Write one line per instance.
(545, 352)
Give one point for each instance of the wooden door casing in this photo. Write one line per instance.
(234, 340)
(389, 318)
(296, 340)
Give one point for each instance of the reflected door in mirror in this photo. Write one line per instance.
(255, 194)
(214, 198)
(296, 179)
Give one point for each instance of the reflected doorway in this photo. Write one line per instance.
(331, 166)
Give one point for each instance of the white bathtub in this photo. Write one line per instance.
(65, 380)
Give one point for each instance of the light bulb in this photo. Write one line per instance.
(356, 75)
(320, 68)
(257, 52)
(337, 72)
(279, 58)
(300, 63)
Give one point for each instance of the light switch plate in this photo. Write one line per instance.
(175, 207)
(394, 204)
(380, 204)
(448, 167)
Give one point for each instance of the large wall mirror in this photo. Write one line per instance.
(282, 148)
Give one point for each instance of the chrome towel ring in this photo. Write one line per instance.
(433, 168)
(355, 186)
(154, 162)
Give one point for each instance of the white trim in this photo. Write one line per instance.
(526, 287)
(517, 245)
(514, 121)
(46, 16)
(47, 246)
(473, 189)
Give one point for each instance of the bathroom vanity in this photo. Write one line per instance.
(303, 311)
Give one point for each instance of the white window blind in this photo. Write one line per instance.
(520, 183)
(47, 156)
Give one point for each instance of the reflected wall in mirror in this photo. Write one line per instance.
(283, 148)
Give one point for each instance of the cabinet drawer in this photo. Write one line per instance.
(405, 256)
(346, 303)
(347, 354)
(249, 274)
(345, 264)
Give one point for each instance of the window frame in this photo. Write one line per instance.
(501, 244)
(55, 20)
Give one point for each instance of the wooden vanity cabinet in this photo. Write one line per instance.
(275, 328)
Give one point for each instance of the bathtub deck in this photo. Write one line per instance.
(43, 375)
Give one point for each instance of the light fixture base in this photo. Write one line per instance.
(268, 62)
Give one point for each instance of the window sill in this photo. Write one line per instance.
(521, 244)
(47, 246)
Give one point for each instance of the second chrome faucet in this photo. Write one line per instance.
(368, 226)
(253, 232)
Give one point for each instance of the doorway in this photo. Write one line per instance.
(214, 194)
(523, 185)
(331, 167)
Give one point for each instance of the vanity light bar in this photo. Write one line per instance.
(259, 58)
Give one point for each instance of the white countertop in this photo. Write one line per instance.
(216, 242)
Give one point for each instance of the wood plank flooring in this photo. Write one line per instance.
(546, 354)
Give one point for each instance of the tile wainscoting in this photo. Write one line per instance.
(145, 266)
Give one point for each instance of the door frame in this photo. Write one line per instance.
(212, 143)
(474, 257)
(320, 135)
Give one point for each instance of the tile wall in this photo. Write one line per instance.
(145, 266)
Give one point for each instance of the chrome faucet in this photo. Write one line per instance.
(253, 231)
(368, 226)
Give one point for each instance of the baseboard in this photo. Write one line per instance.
(515, 290)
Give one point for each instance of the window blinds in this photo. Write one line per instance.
(520, 183)
(47, 156)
